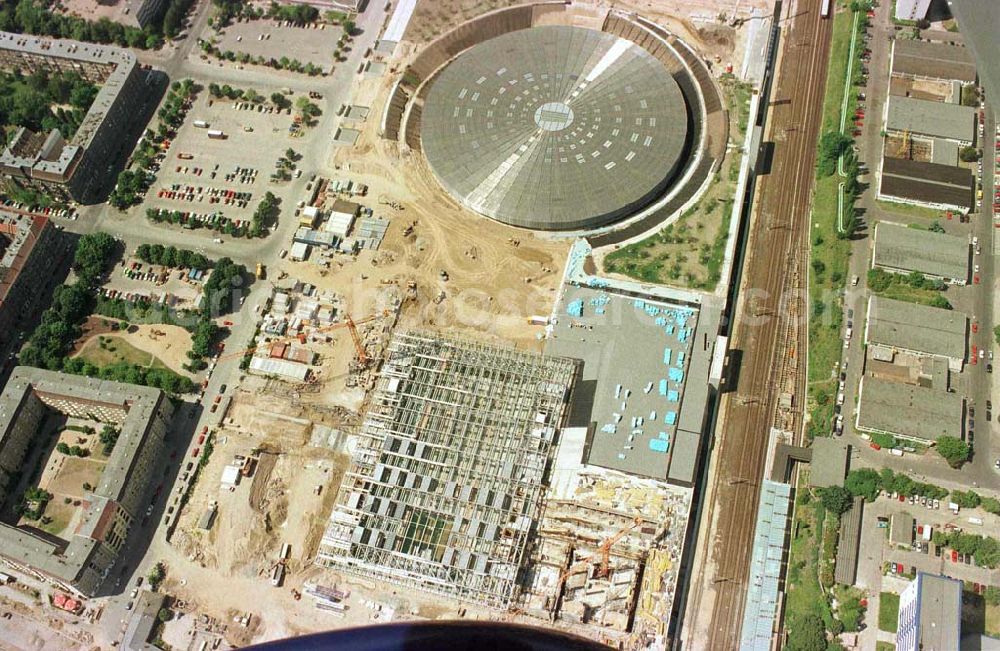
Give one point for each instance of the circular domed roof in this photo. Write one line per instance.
(554, 128)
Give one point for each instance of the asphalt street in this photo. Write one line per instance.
(134, 228)
(975, 300)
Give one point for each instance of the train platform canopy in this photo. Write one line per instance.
(761, 605)
(916, 328)
(903, 250)
(931, 119)
(930, 184)
(928, 60)
(908, 411)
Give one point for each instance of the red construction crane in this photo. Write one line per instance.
(604, 550)
(358, 345)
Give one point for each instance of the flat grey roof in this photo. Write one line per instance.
(908, 411)
(900, 248)
(121, 63)
(940, 604)
(141, 402)
(846, 565)
(901, 529)
(554, 127)
(918, 328)
(144, 618)
(934, 60)
(624, 341)
(944, 152)
(931, 183)
(829, 462)
(933, 119)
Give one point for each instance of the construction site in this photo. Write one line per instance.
(448, 472)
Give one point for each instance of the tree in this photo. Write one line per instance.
(836, 499)
(991, 505)
(831, 145)
(156, 575)
(62, 448)
(806, 633)
(864, 482)
(966, 499)
(165, 615)
(280, 101)
(969, 154)
(954, 450)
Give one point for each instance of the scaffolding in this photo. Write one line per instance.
(449, 473)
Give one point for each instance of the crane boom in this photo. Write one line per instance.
(349, 323)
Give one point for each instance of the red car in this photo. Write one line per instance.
(201, 439)
(227, 323)
(876, 446)
(195, 452)
(954, 556)
(975, 279)
(975, 327)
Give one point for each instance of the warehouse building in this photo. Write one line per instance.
(933, 184)
(899, 249)
(446, 482)
(930, 614)
(76, 169)
(907, 411)
(82, 561)
(912, 9)
(28, 249)
(927, 60)
(920, 117)
(917, 329)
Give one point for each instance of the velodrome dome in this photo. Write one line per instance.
(555, 127)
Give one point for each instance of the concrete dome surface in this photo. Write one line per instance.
(555, 128)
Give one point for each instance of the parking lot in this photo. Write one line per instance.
(313, 43)
(219, 165)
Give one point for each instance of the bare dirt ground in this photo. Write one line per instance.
(167, 343)
(117, 12)
(696, 21)
(497, 275)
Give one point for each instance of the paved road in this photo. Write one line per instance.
(779, 235)
(979, 22)
(133, 228)
(975, 300)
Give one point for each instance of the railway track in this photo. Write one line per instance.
(770, 330)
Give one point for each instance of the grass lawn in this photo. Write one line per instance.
(992, 623)
(690, 251)
(116, 349)
(903, 292)
(888, 611)
(60, 514)
(829, 255)
(911, 211)
(884, 646)
(804, 595)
